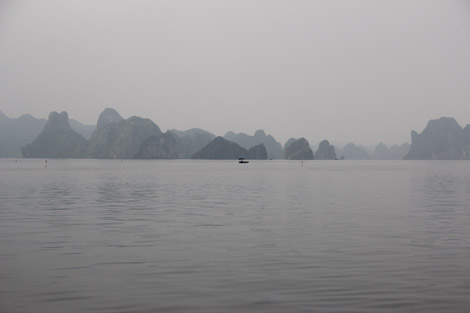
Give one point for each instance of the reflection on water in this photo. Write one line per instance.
(197, 236)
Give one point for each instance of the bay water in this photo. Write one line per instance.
(218, 236)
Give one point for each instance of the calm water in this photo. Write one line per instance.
(216, 236)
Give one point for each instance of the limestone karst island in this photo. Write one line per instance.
(114, 137)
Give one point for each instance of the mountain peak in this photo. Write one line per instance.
(260, 133)
(109, 115)
(58, 120)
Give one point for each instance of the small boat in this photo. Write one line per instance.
(242, 161)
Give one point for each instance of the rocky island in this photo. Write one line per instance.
(190, 141)
(223, 149)
(442, 139)
(273, 147)
(299, 150)
(56, 140)
(325, 151)
(136, 137)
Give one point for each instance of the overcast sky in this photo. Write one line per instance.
(360, 71)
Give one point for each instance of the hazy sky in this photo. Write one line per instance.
(360, 71)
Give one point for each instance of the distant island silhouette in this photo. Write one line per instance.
(114, 137)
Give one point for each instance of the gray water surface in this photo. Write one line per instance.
(217, 236)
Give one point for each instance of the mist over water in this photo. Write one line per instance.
(348, 71)
(216, 236)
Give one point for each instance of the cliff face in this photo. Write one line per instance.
(130, 138)
(158, 147)
(56, 140)
(299, 150)
(325, 151)
(113, 137)
(108, 116)
(121, 139)
(258, 152)
(288, 143)
(466, 138)
(16, 133)
(273, 147)
(442, 139)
